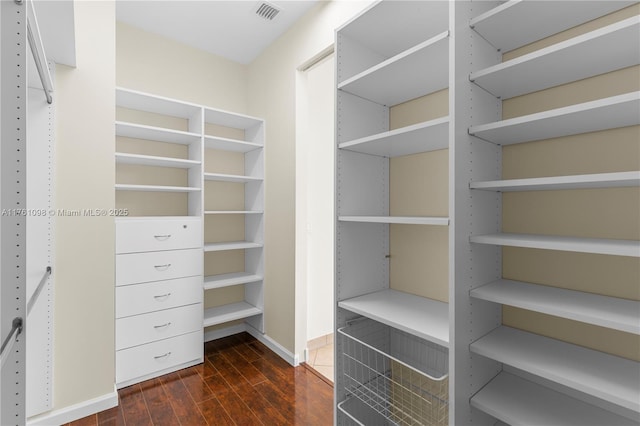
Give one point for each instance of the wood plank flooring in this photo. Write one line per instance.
(241, 382)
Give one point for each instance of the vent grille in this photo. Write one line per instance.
(267, 11)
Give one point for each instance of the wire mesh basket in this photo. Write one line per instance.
(392, 377)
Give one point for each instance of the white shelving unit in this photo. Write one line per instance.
(600, 180)
(236, 245)
(155, 188)
(231, 178)
(441, 221)
(151, 160)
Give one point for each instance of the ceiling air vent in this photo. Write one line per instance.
(267, 11)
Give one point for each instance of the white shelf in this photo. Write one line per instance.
(158, 134)
(226, 280)
(610, 312)
(599, 180)
(416, 220)
(618, 46)
(607, 113)
(231, 312)
(233, 145)
(419, 316)
(230, 178)
(149, 160)
(236, 245)
(551, 242)
(516, 23)
(216, 212)
(518, 402)
(133, 99)
(420, 70)
(230, 119)
(422, 137)
(608, 377)
(155, 188)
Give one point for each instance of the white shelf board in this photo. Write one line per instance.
(430, 135)
(420, 70)
(215, 212)
(608, 113)
(409, 220)
(231, 312)
(230, 178)
(155, 188)
(518, 402)
(608, 377)
(234, 245)
(159, 134)
(230, 119)
(133, 99)
(233, 145)
(550, 242)
(610, 312)
(149, 160)
(419, 316)
(599, 180)
(516, 23)
(226, 280)
(617, 46)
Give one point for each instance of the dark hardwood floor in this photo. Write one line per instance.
(241, 382)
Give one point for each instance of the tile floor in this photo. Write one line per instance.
(321, 355)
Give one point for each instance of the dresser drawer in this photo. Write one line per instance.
(156, 266)
(140, 235)
(147, 328)
(143, 360)
(148, 297)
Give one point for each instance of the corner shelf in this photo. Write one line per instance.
(239, 245)
(428, 136)
(567, 61)
(232, 145)
(608, 113)
(517, 401)
(417, 71)
(155, 188)
(149, 160)
(419, 316)
(158, 134)
(610, 312)
(133, 99)
(416, 220)
(608, 377)
(517, 23)
(230, 119)
(230, 178)
(227, 280)
(551, 242)
(231, 312)
(591, 181)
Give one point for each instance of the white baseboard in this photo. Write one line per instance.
(274, 346)
(76, 411)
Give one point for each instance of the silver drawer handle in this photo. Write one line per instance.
(162, 326)
(162, 296)
(162, 356)
(162, 267)
(162, 237)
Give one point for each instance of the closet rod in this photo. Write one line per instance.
(36, 293)
(37, 49)
(7, 345)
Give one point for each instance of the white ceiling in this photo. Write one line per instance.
(226, 28)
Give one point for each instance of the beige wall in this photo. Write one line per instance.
(596, 213)
(271, 84)
(84, 262)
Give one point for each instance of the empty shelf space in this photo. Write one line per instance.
(516, 23)
(608, 113)
(159, 134)
(608, 377)
(231, 312)
(226, 280)
(230, 119)
(233, 145)
(417, 71)
(216, 212)
(133, 99)
(230, 178)
(618, 46)
(430, 135)
(610, 312)
(155, 188)
(149, 160)
(419, 316)
(551, 242)
(517, 402)
(235, 245)
(409, 220)
(598, 180)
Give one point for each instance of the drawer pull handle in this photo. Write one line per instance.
(162, 356)
(162, 326)
(162, 267)
(162, 237)
(162, 296)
